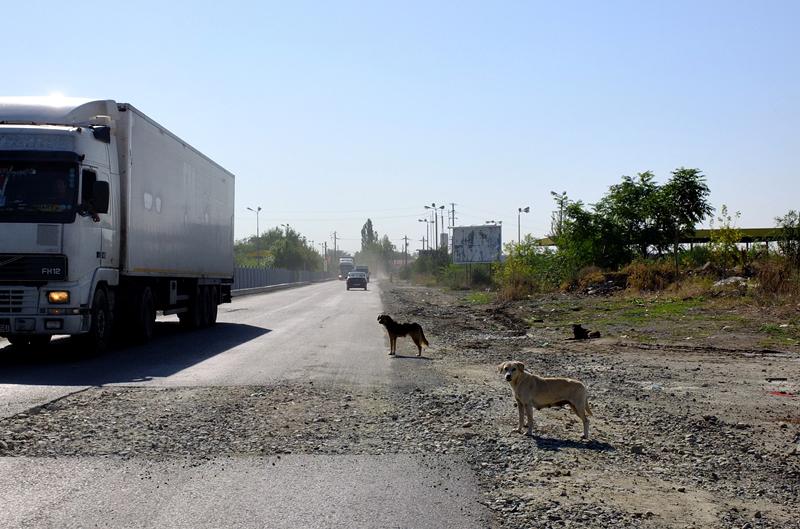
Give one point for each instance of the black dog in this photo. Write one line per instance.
(396, 330)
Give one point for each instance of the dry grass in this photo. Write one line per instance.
(591, 276)
(650, 276)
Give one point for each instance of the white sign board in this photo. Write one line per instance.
(477, 244)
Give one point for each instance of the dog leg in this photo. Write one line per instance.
(529, 412)
(585, 427)
(419, 346)
(521, 410)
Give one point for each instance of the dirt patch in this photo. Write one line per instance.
(695, 423)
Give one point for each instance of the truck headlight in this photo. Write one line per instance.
(58, 297)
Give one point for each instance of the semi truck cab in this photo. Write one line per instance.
(58, 225)
(70, 238)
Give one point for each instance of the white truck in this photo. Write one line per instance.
(105, 218)
(346, 265)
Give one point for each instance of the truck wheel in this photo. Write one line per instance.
(99, 335)
(214, 306)
(145, 316)
(29, 342)
(192, 318)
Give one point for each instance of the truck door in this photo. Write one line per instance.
(108, 241)
(91, 221)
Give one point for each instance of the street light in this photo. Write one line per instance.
(434, 207)
(256, 211)
(258, 243)
(520, 211)
(427, 231)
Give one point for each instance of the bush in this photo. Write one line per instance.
(696, 257)
(724, 238)
(650, 275)
(777, 276)
(528, 268)
(590, 276)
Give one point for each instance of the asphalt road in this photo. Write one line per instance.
(319, 332)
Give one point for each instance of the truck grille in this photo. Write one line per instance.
(18, 300)
(21, 267)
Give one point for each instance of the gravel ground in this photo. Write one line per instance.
(684, 435)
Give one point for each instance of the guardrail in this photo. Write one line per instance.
(248, 280)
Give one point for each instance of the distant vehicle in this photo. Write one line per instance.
(105, 218)
(363, 268)
(346, 265)
(356, 280)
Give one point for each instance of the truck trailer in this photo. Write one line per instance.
(105, 218)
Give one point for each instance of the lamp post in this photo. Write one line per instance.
(258, 242)
(434, 207)
(520, 211)
(427, 231)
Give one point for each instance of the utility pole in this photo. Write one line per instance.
(405, 250)
(452, 223)
(439, 235)
(422, 240)
(334, 245)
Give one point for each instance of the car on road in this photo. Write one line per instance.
(356, 280)
(363, 268)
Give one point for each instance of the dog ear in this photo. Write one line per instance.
(520, 366)
(501, 367)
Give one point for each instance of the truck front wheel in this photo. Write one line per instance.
(99, 335)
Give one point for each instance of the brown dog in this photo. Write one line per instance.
(396, 330)
(531, 391)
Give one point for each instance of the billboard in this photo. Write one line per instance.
(477, 244)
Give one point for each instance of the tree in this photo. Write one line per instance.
(277, 248)
(682, 203)
(789, 241)
(557, 217)
(589, 237)
(369, 237)
(632, 205)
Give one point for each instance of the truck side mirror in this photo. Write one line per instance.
(100, 196)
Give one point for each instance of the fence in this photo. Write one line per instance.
(252, 277)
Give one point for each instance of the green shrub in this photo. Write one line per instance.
(696, 256)
(528, 268)
(724, 238)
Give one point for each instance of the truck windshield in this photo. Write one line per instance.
(38, 191)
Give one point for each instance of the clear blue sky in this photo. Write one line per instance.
(332, 112)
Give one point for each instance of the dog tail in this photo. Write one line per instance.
(588, 409)
(422, 336)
